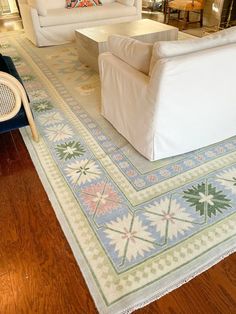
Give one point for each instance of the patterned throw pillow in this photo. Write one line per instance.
(70, 4)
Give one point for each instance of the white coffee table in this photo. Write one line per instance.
(93, 41)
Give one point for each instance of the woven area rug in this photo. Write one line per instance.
(137, 229)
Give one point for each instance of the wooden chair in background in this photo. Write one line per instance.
(186, 6)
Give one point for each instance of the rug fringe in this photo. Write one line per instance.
(179, 284)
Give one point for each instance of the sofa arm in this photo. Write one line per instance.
(39, 5)
(27, 20)
(30, 21)
(124, 101)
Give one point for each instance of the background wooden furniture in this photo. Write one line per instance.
(186, 6)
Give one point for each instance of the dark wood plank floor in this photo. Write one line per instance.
(38, 273)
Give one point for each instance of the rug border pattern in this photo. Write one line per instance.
(49, 172)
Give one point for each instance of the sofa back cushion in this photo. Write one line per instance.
(168, 49)
(135, 53)
(129, 3)
(43, 5)
(55, 4)
(107, 1)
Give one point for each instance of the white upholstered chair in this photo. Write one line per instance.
(171, 98)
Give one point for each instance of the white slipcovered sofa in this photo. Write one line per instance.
(171, 98)
(48, 22)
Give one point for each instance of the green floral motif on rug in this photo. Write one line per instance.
(137, 229)
(70, 150)
(42, 106)
(207, 200)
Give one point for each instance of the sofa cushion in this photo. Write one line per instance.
(107, 1)
(55, 4)
(70, 4)
(126, 2)
(65, 16)
(167, 49)
(39, 5)
(135, 53)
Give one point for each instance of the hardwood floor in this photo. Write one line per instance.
(11, 22)
(38, 273)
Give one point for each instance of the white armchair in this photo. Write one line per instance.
(183, 99)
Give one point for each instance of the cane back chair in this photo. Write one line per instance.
(15, 111)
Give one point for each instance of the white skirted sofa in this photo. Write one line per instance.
(49, 22)
(174, 97)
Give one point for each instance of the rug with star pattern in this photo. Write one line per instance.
(138, 229)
